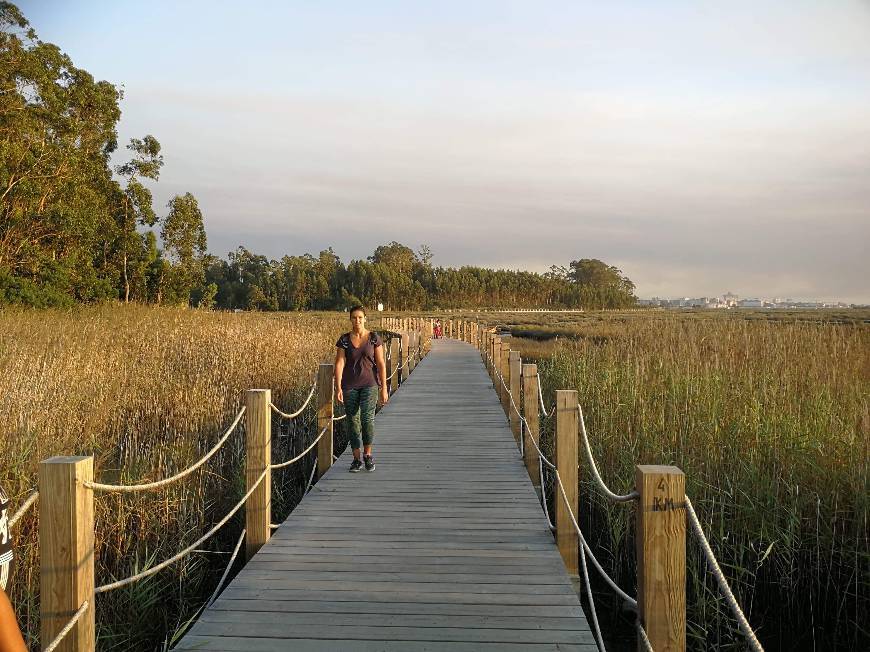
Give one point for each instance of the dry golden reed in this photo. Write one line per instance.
(147, 391)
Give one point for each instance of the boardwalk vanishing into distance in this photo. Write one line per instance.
(443, 547)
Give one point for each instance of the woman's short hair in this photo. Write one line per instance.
(357, 308)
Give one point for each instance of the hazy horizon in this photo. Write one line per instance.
(701, 148)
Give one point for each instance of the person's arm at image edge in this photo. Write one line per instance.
(10, 636)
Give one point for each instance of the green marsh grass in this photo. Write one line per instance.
(768, 418)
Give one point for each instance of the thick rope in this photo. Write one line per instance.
(66, 628)
(311, 477)
(339, 418)
(24, 507)
(586, 547)
(720, 578)
(295, 414)
(96, 486)
(541, 399)
(303, 453)
(220, 584)
(641, 632)
(599, 640)
(619, 498)
(190, 548)
(544, 496)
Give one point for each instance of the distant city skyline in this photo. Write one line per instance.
(692, 145)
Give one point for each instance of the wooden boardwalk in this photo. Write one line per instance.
(443, 547)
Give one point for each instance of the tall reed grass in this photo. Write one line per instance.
(147, 391)
(769, 420)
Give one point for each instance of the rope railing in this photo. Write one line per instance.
(295, 414)
(541, 399)
(226, 572)
(27, 504)
(159, 567)
(619, 498)
(82, 469)
(586, 551)
(51, 647)
(303, 453)
(97, 486)
(720, 578)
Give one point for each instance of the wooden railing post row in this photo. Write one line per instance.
(66, 549)
(258, 457)
(515, 364)
(496, 356)
(396, 361)
(505, 374)
(325, 413)
(567, 437)
(661, 556)
(532, 415)
(405, 353)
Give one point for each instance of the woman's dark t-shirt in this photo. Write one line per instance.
(360, 369)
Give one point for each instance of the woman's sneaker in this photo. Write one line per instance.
(369, 462)
(356, 466)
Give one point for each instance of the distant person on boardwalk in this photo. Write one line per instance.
(360, 375)
(439, 332)
(10, 636)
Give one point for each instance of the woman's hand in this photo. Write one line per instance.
(339, 396)
(385, 396)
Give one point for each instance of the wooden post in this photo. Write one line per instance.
(533, 430)
(390, 361)
(66, 541)
(413, 349)
(325, 412)
(496, 355)
(504, 382)
(567, 423)
(661, 555)
(258, 457)
(394, 355)
(405, 351)
(515, 365)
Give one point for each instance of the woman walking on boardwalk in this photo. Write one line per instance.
(360, 375)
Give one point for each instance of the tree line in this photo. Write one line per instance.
(403, 279)
(75, 228)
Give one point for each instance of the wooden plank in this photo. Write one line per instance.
(259, 644)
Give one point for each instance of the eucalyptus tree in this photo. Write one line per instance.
(184, 244)
(136, 207)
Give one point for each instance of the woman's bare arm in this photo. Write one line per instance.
(339, 372)
(10, 636)
(382, 373)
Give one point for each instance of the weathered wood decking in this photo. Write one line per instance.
(443, 547)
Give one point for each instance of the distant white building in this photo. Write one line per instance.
(751, 303)
(730, 299)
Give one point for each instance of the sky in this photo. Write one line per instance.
(701, 147)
